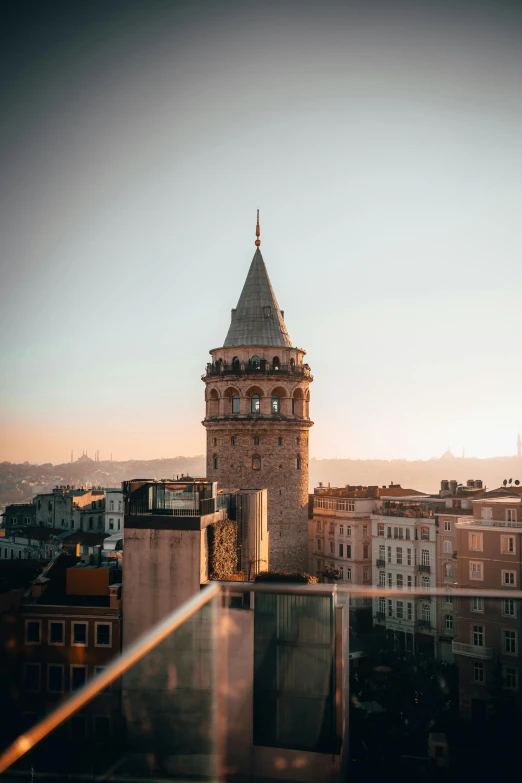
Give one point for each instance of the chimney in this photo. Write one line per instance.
(115, 596)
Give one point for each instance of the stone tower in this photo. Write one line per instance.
(257, 399)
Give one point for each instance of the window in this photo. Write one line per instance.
(509, 578)
(256, 463)
(486, 513)
(508, 609)
(475, 541)
(507, 545)
(448, 548)
(365, 531)
(332, 548)
(256, 362)
(425, 534)
(426, 613)
(349, 551)
(425, 557)
(319, 565)
(511, 515)
(255, 403)
(510, 642)
(400, 610)
(478, 671)
(341, 530)
(510, 677)
(449, 622)
(382, 552)
(33, 631)
(409, 580)
(382, 605)
(400, 581)
(56, 632)
(280, 441)
(380, 529)
(477, 604)
(342, 572)
(447, 525)
(318, 542)
(475, 570)
(395, 532)
(388, 533)
(32, 673)
(390, 583)
(298, 463)
(111, 524)
(233, 440)
(349, 531)
(366, 574)
(389, 558)
(409, 557)
(103, 634)
(407, 534)
(91, 522)
(365, 551)
(341, 548)
(410, 611)
(318, 525)
(390, 608)
(399, 555)
(256, 440)
(215, 441)
(477, 636)
(331, 528)
(55, 678)
(215, 463)
(78, 676)
(382, 579)
(79, 635)
(235, 404)
(426, 582)
(349, 574)
(111, 505)
(276, 403)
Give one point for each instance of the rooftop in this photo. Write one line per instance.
(257, 319)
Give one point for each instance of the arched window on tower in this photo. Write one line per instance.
(256, 440)
(215, 462)
(255, 403)
(256, 463)
(235, 403)
(235, 363)
(215, 441)
(298, 463)
(276, 404)
(276, 363)
(256, 362)
(280, 441)
(292, 362)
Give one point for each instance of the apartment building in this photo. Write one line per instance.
(487, 647)
(63, 632)
(404, 557)
(339, 531)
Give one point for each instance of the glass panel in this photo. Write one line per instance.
(158, 720)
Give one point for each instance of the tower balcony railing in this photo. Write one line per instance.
(263, 368)
(200, 696)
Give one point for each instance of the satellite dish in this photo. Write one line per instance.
(517, 482)
(504, 482)
(510, 480)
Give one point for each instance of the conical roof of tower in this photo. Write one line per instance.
(257, 319)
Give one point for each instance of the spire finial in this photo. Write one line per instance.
(258, 231)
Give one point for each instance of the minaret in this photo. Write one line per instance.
(519, 445)
(257, 398)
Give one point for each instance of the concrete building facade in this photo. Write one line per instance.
(257, 415)
(339, 533)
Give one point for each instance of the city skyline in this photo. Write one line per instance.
(384, 153)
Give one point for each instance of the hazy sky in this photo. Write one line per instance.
(382, 143)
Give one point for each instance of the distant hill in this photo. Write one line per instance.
(424, 475)
(22, 481)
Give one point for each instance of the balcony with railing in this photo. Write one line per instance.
(245, 682)
(380, 562)
(253, 368)
(424, 568)
(472, 651)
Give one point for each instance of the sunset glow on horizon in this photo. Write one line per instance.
(383, 148)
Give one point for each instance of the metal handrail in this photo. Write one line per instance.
(94, 687)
